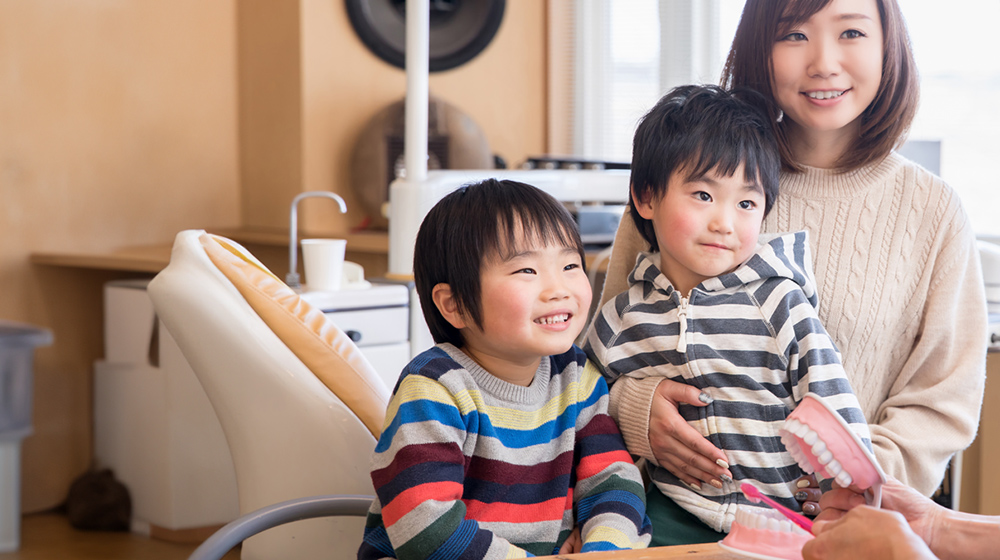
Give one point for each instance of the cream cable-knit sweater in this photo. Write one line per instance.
(901, 293)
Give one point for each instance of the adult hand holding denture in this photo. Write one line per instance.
(909, 525)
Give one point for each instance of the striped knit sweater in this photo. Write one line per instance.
(898, 274)
(752, 341)
(470, 466)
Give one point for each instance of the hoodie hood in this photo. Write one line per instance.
(783, 255)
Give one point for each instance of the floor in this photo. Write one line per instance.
(45, 536)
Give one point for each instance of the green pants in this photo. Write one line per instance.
(673, 524)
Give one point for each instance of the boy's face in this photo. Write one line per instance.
(533, 305)
(705, 226)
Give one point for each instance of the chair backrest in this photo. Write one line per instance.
(289, 434)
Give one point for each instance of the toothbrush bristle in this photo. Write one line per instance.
(750, 492)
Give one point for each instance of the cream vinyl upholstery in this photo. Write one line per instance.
(262, 355)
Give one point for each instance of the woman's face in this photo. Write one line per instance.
(827, 70)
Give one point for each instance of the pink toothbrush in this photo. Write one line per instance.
(754, 495)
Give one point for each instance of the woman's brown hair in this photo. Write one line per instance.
(886, 121)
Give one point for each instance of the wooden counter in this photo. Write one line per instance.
(147, 258)
(710, 551)
(370, 250)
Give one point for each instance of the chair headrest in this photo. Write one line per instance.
(326, 350)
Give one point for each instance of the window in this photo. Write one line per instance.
(613, 60)
(960, 89)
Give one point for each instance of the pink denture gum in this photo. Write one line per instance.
(822, 443)
(766, 535)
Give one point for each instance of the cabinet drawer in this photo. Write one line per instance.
(368, 327)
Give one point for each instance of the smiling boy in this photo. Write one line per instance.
(497, 441)
(713, 306)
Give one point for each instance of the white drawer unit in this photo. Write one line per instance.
(154, 425)
(377, 319)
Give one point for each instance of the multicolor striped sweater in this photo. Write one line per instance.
(470, 466)
(751, 340)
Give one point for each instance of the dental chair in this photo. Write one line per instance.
(300, 407)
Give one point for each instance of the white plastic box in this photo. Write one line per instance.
(17, 352)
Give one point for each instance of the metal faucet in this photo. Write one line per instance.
(292, 278)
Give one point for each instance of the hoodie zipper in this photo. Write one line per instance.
(682, 315)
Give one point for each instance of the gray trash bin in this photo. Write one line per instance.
(17, 356)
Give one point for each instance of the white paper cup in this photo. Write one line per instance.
(324, 263)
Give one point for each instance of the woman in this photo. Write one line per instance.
(900, 287)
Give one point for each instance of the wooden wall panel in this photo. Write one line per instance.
(118, 125)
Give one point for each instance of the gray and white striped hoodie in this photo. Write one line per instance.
(751, 339)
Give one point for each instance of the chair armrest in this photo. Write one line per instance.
(246, 526)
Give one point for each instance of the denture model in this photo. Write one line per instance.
(822, 443)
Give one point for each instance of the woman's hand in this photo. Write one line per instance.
(866, 533)
(677, 446)
(808, 494)
(922, 513)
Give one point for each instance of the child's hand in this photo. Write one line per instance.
(573, 543)
(677, 446)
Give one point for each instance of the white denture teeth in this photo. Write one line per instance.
(813, 447)
(819, 447)
(765, 519)
(800, 458)
(844, 479)
(810, 438)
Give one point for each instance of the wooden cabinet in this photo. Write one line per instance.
(980, 486)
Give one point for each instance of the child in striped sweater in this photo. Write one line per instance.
(717, 308)
(497, 441)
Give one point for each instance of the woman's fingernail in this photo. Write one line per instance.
(722, 463)
(801, 496)
(802, 484)
(695, 485)
(703, 397)
(726, 478)
(810, 508)
(716, 483)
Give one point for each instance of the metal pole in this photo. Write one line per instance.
(417, 70)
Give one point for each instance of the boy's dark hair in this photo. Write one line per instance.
(695, 129)
(473, 225)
